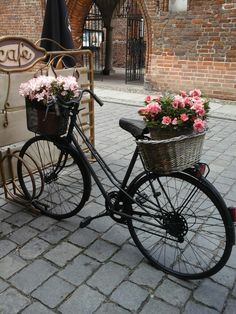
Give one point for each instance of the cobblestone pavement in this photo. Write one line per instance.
(49, 266)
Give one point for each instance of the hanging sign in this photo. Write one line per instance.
(19, 54)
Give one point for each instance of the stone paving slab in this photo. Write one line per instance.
(50, 266)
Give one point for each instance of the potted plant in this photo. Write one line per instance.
(43, 107)
(169, 116)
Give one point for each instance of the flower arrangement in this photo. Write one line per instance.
(186, 111)
(45, 88)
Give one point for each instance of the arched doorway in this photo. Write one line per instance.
(129, 40)
(121, 29)
(94, 37)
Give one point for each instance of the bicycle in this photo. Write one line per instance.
(178, 221)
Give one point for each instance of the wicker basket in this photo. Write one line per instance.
(41, 121)
(171, 155)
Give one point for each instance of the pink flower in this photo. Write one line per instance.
(148, 99)
(187, 110)
(183, 93)
(184, 117)
(178, 102)
(198, 101)
(199, 125)
(175, 104)
(154, 108)
(199, 107)
(67, 82)
(166, 120)
(201, 112)
(196, 106)
(143, 111)
(174, 121)
(44, 88)
(38, 88)
(187, 101)
(195, 92)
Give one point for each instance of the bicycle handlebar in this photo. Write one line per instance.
(78, 99)
(95, 97)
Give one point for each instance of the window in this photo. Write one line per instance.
(178, 5)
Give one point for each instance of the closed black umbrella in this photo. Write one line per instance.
(56, 27)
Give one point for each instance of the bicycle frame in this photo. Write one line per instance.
(121, 186)
(111, 176)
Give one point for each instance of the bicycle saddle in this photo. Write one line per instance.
(136, 127)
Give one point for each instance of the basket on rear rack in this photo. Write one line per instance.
(47, 120)
(171, 155)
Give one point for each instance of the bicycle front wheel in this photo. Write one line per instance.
(63, 183)
(180, 226)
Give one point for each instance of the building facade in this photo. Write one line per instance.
(188, 43)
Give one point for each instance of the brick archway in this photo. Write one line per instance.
(78, 10)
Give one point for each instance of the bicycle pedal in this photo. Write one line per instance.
(84, 223)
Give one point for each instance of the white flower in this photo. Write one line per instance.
(44, 88)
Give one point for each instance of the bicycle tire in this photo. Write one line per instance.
(64, 184)
(193, 244)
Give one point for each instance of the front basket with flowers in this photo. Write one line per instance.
(177, 126)
(44, 112)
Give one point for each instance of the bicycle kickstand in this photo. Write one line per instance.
(86, 221)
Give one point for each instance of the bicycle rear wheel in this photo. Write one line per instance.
(63, 183)
(181, 227)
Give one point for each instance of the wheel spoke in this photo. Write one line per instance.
(192, 240)
(63, 193)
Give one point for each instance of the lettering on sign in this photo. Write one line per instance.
(18, 53)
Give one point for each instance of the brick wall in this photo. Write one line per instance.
(25, 17)
(119, 42)
(78, 10)
(190, 49)
(195, 49)
(21, 18)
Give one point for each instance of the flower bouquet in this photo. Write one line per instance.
(177, 127)
(168, 116)
(43, 94)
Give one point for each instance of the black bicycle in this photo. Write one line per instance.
(178, 221)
